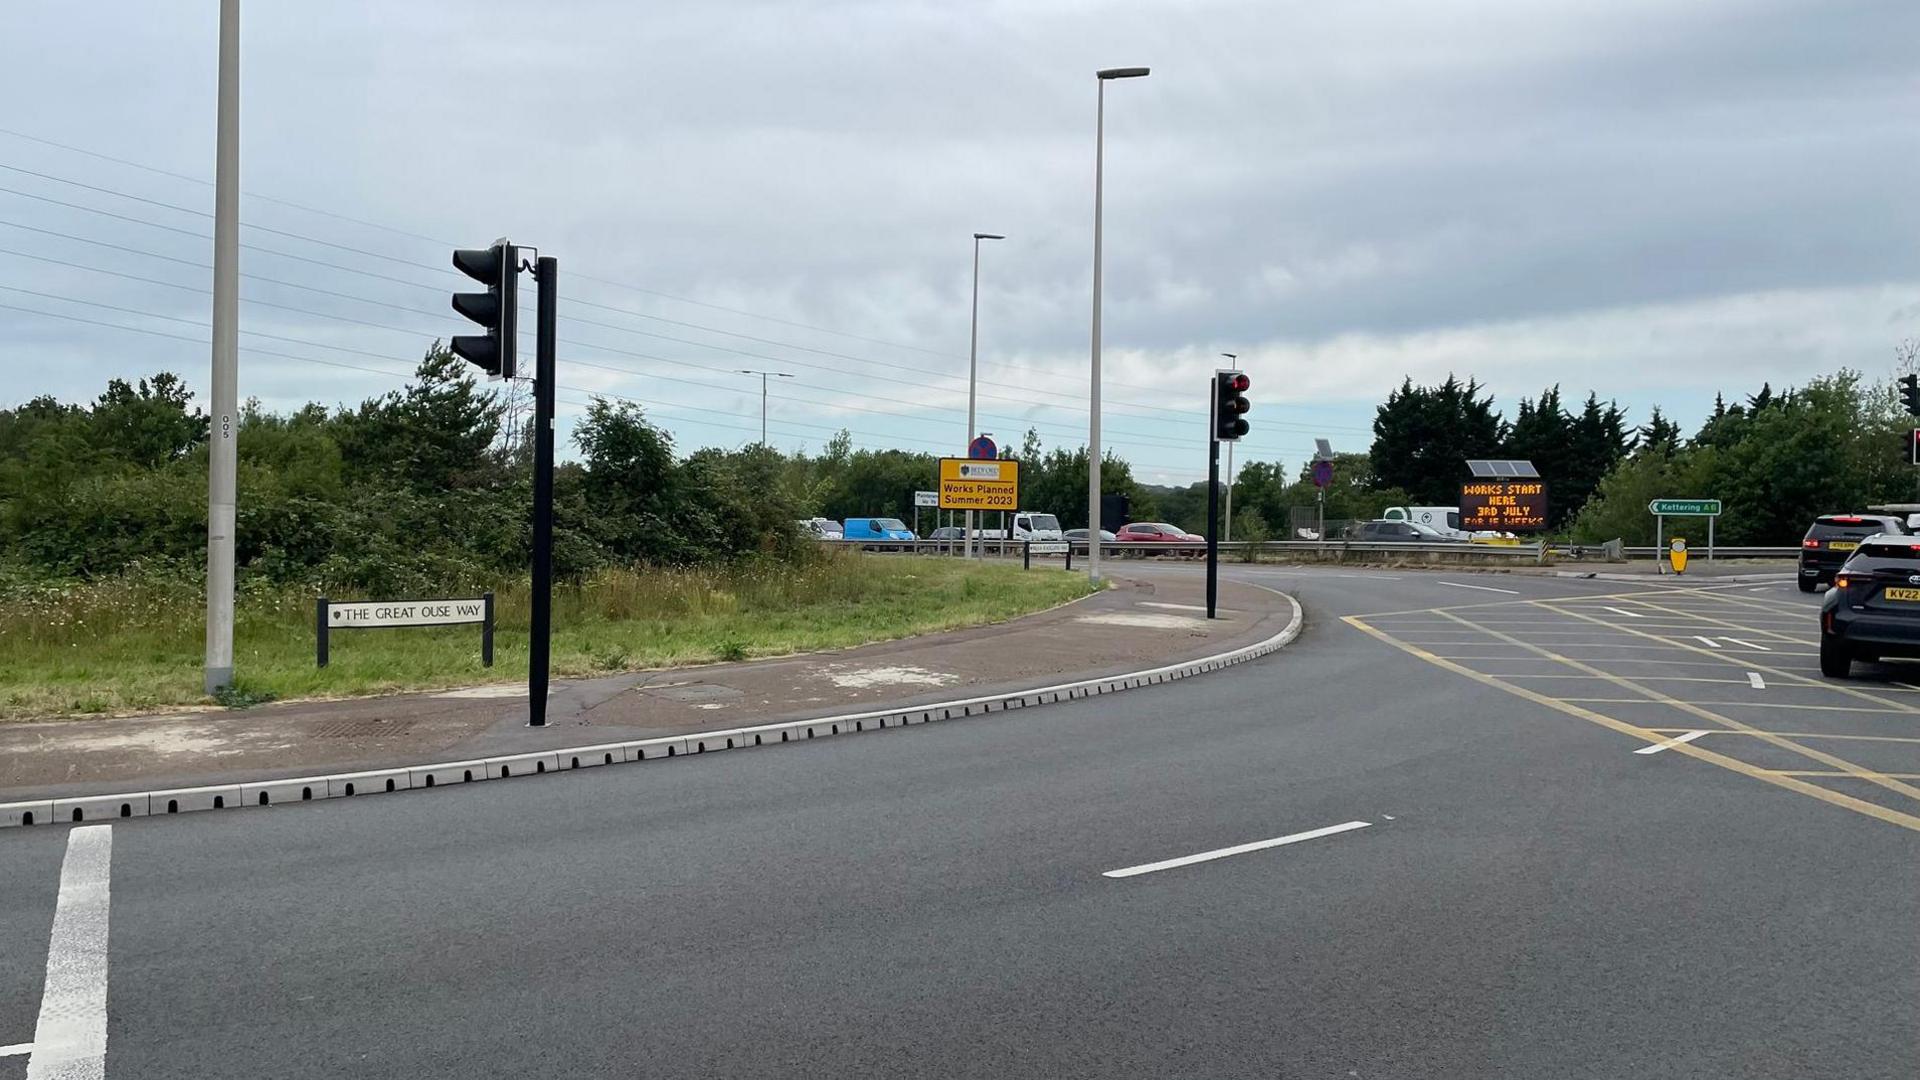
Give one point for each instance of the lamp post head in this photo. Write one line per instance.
(988, 236)
(1123, 73)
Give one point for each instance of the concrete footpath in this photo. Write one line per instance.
(1136, 624)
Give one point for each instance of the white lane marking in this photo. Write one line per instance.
(1482, 588)
(1624, 611)
(1754, 679)
(70, 1038)
(16, 1048)
(1670, 743)
(1749, 644)
(1708, 641)
(1239, 849)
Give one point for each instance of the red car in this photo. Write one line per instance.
(1157, 532)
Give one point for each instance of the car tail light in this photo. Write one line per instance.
(1849, 519)
(1809, 542)
(1841, 581)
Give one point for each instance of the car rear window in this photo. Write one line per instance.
(1903, 550)
(1851, 525)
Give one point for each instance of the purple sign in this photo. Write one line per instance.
(982, 447)
(1322, 473)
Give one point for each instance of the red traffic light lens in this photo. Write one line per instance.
(1239, 382)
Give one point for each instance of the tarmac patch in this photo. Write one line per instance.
(496, 690)
(1145, 620)
(866, 678)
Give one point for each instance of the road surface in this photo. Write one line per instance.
(1426, 840)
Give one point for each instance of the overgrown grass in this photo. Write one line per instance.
(136, 643)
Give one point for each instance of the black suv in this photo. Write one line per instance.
(1831, 541)
(1873, 609)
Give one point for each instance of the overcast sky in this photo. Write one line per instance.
(1653, 200)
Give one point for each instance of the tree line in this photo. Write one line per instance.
(421, 489)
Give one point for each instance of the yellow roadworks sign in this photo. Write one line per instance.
(979, 484)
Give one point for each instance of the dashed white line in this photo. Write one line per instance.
(1239, 849)
(1482, 588)
(70, 1037)
(1624, 611)
(1708, 641)
(16, 1049)
(1655, 748)
(1749, 644)
(1754, 680)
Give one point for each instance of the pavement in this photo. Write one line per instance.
(1138, 623)
(1425, 840)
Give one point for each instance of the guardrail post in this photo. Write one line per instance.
(1026, 554)
(320, 632)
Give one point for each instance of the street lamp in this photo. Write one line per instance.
(1226, 527)
(1093, 420)
(973, 367)
(763, 396)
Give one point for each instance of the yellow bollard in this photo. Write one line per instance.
(1677, 555)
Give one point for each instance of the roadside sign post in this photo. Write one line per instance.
(924, 498)
(332, 615)
(982, 448)
(979, 484)
(1662, 509)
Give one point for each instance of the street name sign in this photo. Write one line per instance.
(1504, 505)
(926, 498)
(332, 615)
(1685, 507)
(974, 484)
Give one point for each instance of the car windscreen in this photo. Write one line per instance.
(891, 523)
(1043, 522)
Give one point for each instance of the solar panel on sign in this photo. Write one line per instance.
(1502, 468)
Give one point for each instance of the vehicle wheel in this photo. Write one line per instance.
(1835, 661)
(1807, 584)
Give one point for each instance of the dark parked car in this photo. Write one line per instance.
(1873, 609)
(1831, 540)
(948, 532)
(1400, 532)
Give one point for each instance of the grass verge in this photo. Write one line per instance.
(131, 644)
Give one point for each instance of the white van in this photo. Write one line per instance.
(1028, 525)
(1441, 519)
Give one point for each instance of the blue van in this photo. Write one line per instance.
(876, 529)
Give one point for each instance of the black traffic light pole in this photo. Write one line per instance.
(547, 273)
(1213, 522)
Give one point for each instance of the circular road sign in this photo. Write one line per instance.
(982, 447)
(1322, 473)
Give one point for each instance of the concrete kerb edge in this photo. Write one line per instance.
(281, 792)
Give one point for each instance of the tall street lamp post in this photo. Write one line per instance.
(1093, 419)
(763, 396)
(973, 368)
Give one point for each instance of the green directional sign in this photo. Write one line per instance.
(1685, 507)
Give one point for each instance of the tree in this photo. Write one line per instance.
(436, 434)
(1424, 436)
(1658, 435)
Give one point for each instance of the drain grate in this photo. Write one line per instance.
(358, 729)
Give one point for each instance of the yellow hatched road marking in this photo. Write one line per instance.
(1826, 795)
(1860, 771)
(1801, 735)
(1747, 663)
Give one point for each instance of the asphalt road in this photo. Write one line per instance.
(1528, 896)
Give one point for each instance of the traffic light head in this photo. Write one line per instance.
(1910, 394)
(497, 309)
(1230, 405)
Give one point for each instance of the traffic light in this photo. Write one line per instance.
(1910, 393)
(1229, 406)
(497, 309)
(1913, 447)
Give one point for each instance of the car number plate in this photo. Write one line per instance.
(1842, 545)
(1910, 595)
